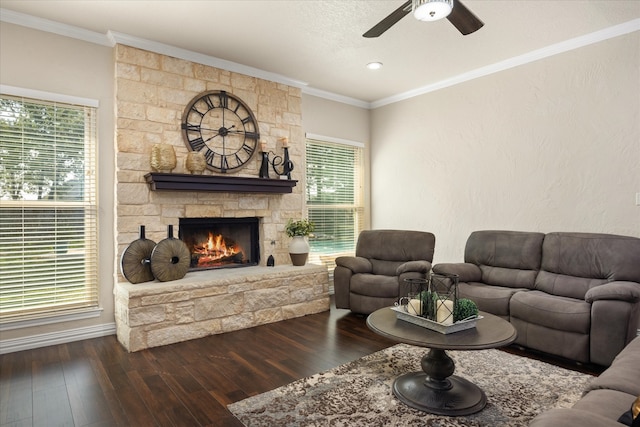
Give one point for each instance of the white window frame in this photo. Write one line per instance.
(90, 306)
(358, 206)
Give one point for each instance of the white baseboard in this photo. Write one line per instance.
(53, 338)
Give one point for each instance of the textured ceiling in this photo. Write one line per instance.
(320, 43)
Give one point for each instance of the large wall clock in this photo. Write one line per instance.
(223, 128)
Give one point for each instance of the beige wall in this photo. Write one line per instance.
(553, 145)
(338, 120)
(50, 63)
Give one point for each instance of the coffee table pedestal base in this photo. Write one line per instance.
(464, 397)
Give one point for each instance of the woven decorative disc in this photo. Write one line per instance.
(170, 260)
(134, 262)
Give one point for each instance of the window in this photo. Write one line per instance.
(334, 197)
(48, 209)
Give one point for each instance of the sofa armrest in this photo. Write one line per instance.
(355, 263)
(621, 291)
(421, 266)
(566, 417)
(466, 272)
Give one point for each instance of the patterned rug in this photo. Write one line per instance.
(359, 393)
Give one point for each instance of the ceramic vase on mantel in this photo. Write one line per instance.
(163, 158)
(299, 250)
(195, 162)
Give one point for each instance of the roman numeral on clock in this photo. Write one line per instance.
(224, 99)
(209, 102)
(209, 155)
(248, 149)
(191, 128)
(197, 144)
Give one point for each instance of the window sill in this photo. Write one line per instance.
(47, 319)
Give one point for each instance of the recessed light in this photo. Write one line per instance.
(374, 65)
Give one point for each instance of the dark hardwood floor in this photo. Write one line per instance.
(97, 383)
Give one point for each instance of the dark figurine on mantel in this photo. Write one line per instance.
(277, 161)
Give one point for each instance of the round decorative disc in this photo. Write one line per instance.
(170, 260)
(134, 262)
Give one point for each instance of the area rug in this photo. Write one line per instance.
(359, 393)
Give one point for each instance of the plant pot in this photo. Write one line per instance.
(299, 250)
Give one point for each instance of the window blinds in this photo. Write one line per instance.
(48, 207)
(334, 196)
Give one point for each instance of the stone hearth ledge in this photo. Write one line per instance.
(211, 302)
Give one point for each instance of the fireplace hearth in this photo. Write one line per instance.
(221, 242)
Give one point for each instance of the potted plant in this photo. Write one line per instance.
(299, 247)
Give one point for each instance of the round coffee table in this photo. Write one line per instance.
(435, 389)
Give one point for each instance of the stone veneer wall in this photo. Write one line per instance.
(201, 304)
(152, 91)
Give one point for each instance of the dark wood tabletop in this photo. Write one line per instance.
(490, 332)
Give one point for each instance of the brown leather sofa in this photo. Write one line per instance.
(574, 295)
(607, 398)
(374, 277)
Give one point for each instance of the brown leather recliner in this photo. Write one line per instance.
(374, 277)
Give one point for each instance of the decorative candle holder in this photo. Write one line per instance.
(264, 166)
(282, 166)
(444, 294)
(413, 302)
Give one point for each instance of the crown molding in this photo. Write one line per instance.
(554, 49)
(111, 38)
(54, 27)
(336, 97)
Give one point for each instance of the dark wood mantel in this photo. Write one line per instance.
(227, 184)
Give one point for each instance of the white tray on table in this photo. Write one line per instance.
(461, 325)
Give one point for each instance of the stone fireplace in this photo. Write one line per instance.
(221, 242)
(152, 91)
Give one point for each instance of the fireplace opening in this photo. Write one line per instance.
(221, 242)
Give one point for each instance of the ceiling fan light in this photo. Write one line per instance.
(431, 10)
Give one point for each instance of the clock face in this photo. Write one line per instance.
(223, 128)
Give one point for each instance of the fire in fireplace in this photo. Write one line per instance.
(221, 242)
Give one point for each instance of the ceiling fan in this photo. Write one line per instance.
(430, 10)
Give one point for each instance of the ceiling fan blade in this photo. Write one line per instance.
(463, 19)
(389, 21)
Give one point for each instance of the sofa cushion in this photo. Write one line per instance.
(384, 267)
(566, 286)
(608, 403)
(572, 418)
(375, 285)
(565, 314)
(580, 261)
(624, 373)
(396, 245)
(489, 298)
(506, 258)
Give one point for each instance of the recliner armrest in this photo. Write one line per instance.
(466, 272)
(420, 266)
(622, 291)
(355, 263)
